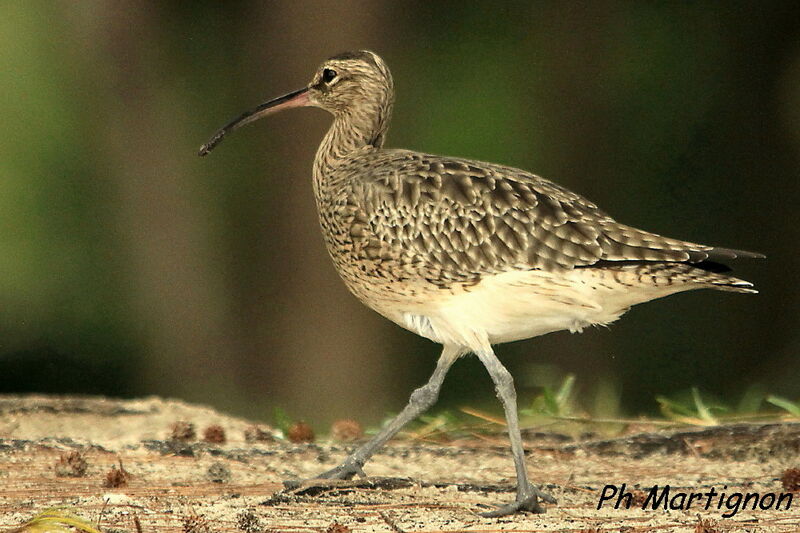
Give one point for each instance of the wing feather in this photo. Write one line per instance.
(462, 219)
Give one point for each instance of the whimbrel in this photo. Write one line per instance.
(470, 254)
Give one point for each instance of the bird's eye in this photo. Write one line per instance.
(328, 75)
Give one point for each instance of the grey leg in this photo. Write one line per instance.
(527, 495)
(421, 399)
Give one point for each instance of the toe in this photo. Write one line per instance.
(545, 497)
(341, 472)
(529, 501)
(530, 505)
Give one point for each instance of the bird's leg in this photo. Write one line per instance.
(421, 399)
(528, 496)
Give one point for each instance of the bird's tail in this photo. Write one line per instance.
(716, 274)
(729, 283)
(704, 274)
(681, 276)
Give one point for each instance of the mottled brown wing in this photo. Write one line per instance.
(464, 219)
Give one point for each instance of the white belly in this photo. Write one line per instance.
(524, 304)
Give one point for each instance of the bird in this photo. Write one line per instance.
(470, 254)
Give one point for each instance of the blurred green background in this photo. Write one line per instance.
(129, 266)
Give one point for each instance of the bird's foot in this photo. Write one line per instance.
(527, 500)
(344, 471)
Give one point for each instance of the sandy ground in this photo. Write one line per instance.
(199, 487)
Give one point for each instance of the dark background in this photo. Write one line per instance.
(129, 266)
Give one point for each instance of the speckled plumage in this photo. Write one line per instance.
(409, 232)
(468, 253)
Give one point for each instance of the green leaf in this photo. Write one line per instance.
(56, 520)
(792, 407)
(703, 412)
(565, 392)
(282, 419)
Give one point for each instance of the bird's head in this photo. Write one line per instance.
(354, 86)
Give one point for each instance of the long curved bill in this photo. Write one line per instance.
(297, 98)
